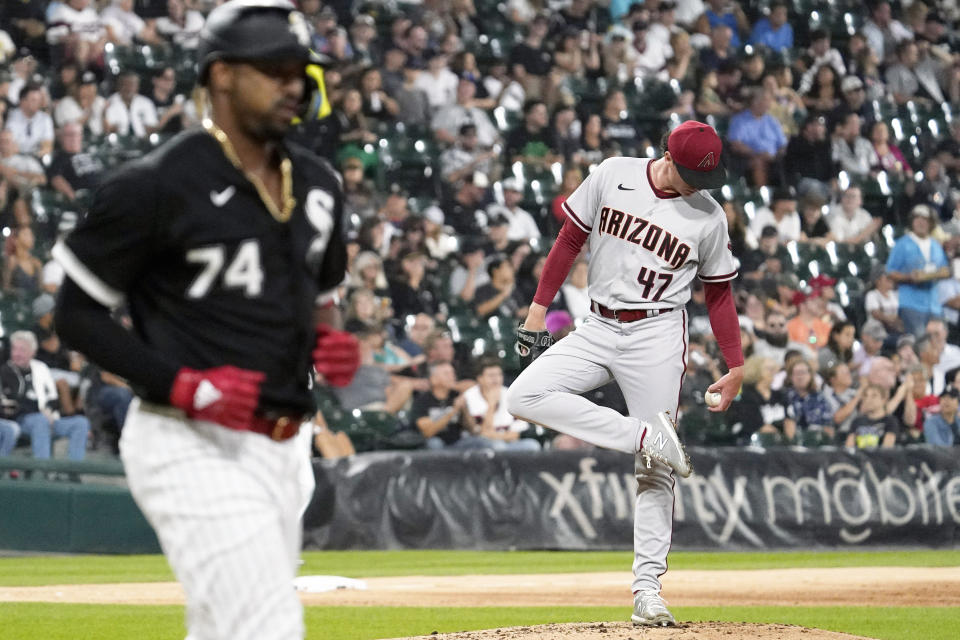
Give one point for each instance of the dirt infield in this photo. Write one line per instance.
(866, 586)
(626, 631)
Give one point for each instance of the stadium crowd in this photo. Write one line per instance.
(459, 127)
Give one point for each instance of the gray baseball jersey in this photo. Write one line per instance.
(646, 245)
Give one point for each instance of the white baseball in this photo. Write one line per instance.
(712, 399)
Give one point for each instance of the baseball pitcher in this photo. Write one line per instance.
(651, 230)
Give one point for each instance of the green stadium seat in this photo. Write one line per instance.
(766, 440)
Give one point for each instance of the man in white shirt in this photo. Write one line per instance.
(487, 403)
(126, 26)
(522, 225)
(181, 26)
(449, 119)
(781, 214)
(437, 81)
(21, 171)
(83, 106)
(883, 32)
(76, 25)
(849, 221)
(128, 112)
(32, 128)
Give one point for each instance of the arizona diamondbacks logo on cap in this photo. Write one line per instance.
(298, 27)
(709, 161)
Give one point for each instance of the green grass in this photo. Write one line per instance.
(40, 570)
(67, 622)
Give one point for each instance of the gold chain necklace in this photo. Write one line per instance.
(286, 175)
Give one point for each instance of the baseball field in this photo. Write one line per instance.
(895, 595)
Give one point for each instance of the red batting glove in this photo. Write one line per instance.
(225, 395)
(337, 356)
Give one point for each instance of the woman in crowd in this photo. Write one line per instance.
(842, 397)
(889, 157)
(824, 94)
(23, 269)
(839, 347)
(806, 407)
(759, 408)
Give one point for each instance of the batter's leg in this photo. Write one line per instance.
(225, 507)
(546, 392)
(650, 374)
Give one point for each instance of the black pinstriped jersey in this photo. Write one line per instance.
(209, 275)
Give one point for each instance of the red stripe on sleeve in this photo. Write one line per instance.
(565, 250)
(575, 217)
(724, 321)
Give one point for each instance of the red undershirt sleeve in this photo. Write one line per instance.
(565, 250)
(724, 321)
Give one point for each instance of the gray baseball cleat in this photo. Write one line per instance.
(660, 441)
(649, 609)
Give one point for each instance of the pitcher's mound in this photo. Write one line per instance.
(627, 631)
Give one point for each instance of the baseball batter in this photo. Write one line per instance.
(225, 246)
(651, 231)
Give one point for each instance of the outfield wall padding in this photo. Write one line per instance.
(738, 499)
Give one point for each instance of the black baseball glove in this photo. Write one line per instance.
(531, 344)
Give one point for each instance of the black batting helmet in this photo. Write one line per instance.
(253, 30)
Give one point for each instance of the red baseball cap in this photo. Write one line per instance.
(697, 152)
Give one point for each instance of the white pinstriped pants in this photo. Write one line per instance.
(226, 508)
(647, 358)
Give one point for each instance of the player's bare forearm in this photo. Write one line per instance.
(536, 318)
(728, 387)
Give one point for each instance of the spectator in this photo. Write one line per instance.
(417, 333)
(849, 221)
(882, 303)
(852, 151)
(572, 177)
(21, 172)
(23, 269)
(575, 294)
(409, 292)
(465, 157)
(64, 366)
(882, 31)
(825, 92)
(649, 54)
(593, 144)
(806, 405)
(127, 112)
(889, 157)
(125, 26)
(909, 79)
(464, 210)
(359, 197)
(412, 101)
(839, 347)
(72, 168)
(367, 273)
(437, 81)
(842, 397)
(928, 350)
(916, 263)
(76, 27)
(437, 239)
(759, 409)
(531, 62)
(181, 25)
(450, 120)
(873, 426)
(935, 189)
(618, 128)
(487, 403)
(818, 54)
(83, 106)
(522, 225)
(168, 105)
(531, 141)
(373, 388)
(497, 297)
(774, 32)
(808, 162)
(808, 327)
(949, 351)
(32, 127)
(782, 215)
(364, 42)
(913, 404)
(853, 100)
(352, 125)
(813, 227)
(470, 274)
(943, 429)
(787, 107)
(30, 383)
(769, 258)
(441, 415)
(728, 14)
(722, 48)
(377, 105)
(758, 138)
